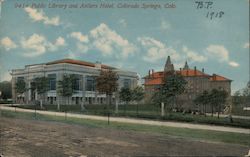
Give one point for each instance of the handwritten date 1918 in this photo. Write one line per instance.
(213, 14)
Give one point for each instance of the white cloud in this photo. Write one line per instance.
(79, 36)
(156, 50)
(220, 53)
(60, 41)
(165, 25)
(233, 64)
(123, 22)
(7, 43)
(106, 41)
(246, 45)
(36, 15)
(193, 56)
(37, 45)
(71, 55)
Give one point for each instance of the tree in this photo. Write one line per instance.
(198, 100)
(159, 96)
(217, 98)
(106, 83)
(126, 96)
(5, 88)
(203, 99)
(173, 85)
(41, 85)
(65, 86)
(20, 86)
(137, 94)
(222, 97)
(246, 95)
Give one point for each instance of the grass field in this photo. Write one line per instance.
(146, 112)
(217, 136)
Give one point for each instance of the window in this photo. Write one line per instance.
(126, 83)
(20, 78)
(77, 82)
(90, 83)
(52, 81)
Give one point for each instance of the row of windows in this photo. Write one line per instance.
(78, 82)
(77, 100)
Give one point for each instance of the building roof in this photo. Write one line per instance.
(155, 81)
(78, 62)
(216, 77)
(155, 78)
(191, 72)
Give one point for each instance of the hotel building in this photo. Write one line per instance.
(197, 82)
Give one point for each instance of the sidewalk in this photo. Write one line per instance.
(233, 116)
(136, 121)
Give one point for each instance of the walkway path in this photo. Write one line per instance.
(136, 121)
(234, 116)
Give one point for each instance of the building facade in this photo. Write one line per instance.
(84, 86)
(197, 82)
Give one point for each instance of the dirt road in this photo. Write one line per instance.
(44, 139)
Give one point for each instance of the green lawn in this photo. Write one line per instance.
(145, 111)
(216, 136)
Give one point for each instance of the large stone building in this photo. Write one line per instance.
(84, 88)
(197, 82)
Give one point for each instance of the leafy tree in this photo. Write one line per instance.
(126, 96)
(65, 86)
(20, 86)
(106, 83)
(198, 100)
(212, 99)
(246, 95)
(203, 99)
(173, 85)
(237, 98)
(217, 99)
(137, 94)
(41, 85)
(222, 98)
(5, 88)
(158, 96)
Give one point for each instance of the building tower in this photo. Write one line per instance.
(186, 67)
(169, 67)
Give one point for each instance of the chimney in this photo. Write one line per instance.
(203, 70)
(149, 73)
(195, 71)
(214, 77)
(152, 71)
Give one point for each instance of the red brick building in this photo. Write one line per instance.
(197, 82)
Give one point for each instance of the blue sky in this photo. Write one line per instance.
(134, 39)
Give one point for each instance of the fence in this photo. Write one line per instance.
(145, 111)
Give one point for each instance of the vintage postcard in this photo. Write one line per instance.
(108, 78)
